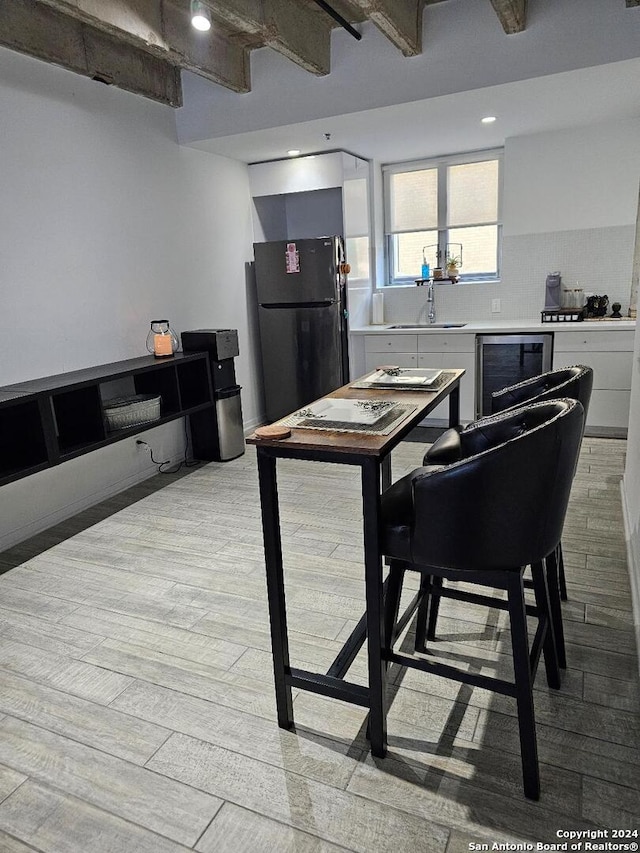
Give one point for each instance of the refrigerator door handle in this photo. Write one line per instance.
(323, 304)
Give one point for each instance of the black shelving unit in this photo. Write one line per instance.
(47, 421)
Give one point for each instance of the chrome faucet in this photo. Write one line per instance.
(431, 302)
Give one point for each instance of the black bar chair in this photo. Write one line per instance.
(566, 382)
(574, 382)
(483, 520)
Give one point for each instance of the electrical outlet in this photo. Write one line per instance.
(495, 306)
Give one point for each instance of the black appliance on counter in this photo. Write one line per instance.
(220, 438)
(503, 360)
(302, 312)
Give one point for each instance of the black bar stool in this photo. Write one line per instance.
(575, 383)
(567, 382)
(483, 520)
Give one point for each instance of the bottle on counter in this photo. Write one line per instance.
(377, 308)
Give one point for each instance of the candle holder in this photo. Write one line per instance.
(162, 341)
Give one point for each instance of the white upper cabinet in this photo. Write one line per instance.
(296, 175)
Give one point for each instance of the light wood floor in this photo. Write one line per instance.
(136, 699)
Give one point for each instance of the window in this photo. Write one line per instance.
(441, 208)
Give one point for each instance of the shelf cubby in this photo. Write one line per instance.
(78, 418)
(22, 441)
(162, 382)
(193, 382)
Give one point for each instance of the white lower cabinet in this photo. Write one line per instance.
(607, 351)
(610, 355)
(431, 349)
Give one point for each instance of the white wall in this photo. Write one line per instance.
(570, 204)
(631, 480)
(105, 224)
(576, 179)
(631, 489)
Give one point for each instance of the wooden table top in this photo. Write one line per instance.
(363, 443)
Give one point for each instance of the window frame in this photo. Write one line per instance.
(441, 163)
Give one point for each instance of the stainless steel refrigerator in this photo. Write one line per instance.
(302, 312)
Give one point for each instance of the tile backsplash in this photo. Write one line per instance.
(599, 259)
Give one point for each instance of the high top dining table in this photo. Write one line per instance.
(372, 453)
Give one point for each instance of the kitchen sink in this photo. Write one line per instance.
(428, 326)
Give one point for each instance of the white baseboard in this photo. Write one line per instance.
(633, 562)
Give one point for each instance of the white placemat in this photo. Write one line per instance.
(390, 416)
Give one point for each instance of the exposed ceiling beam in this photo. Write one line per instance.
(128, 67)
(138, 20)
(163, 29)
(298, 32)
(512, 15)
(42, 32)
(399, 20)
(212, 54)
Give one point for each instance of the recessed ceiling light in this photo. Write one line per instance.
(293, 152)
(488, 119)
(200, 16)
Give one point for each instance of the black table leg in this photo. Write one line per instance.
(454, 407)
(275, 586)
(386, 472)
(375, 611)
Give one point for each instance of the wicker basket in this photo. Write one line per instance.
(123, 412)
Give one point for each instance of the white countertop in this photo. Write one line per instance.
(504, 326)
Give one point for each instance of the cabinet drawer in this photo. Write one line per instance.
(611, 370)
(391, 343)
(436, 342)
(590, 341)
(373, 360)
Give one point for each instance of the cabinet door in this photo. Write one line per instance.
(609, 409)
(464, 360)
